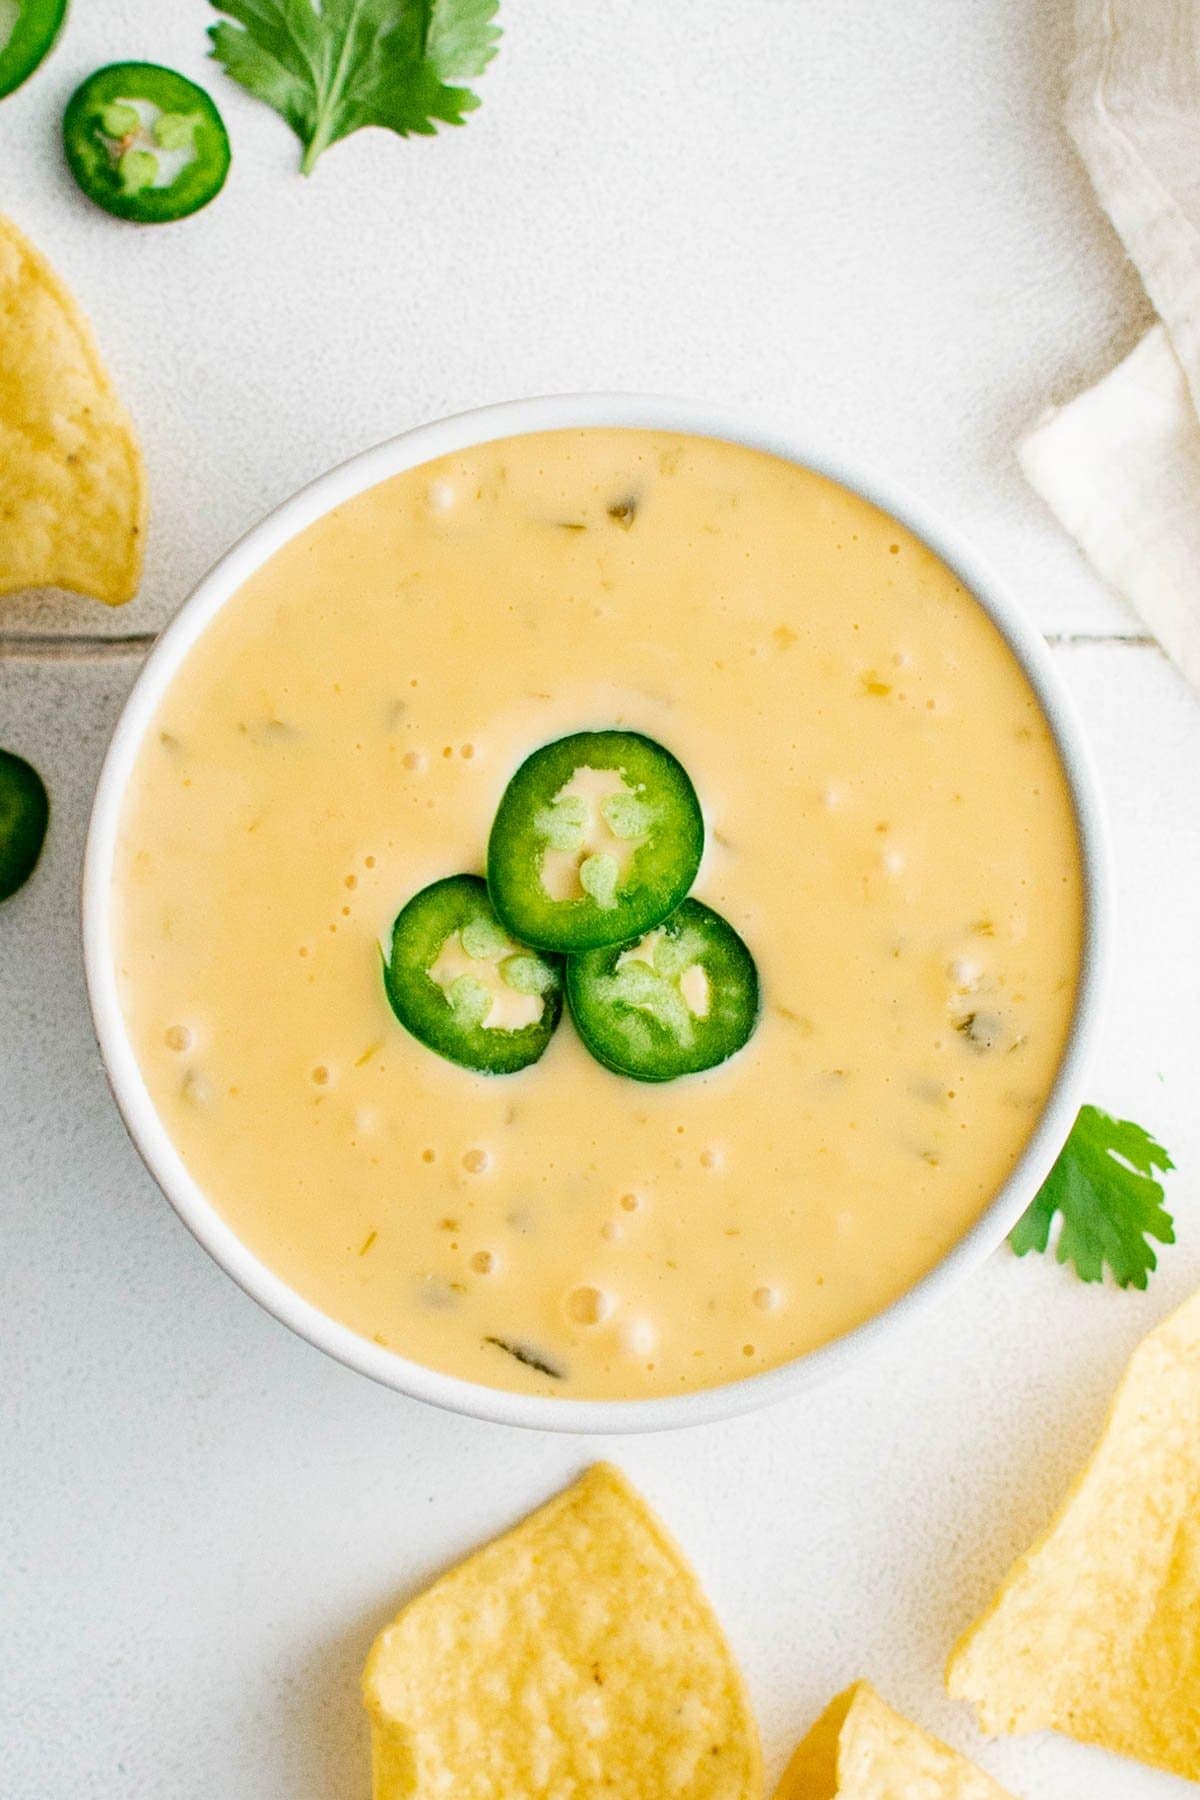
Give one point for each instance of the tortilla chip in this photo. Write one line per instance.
(576, 1655)
(859, 1749)
(72, 486)
(1096, 1632)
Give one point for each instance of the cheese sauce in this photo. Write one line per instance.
(889, 828)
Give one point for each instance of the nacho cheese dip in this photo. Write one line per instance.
(888, 827)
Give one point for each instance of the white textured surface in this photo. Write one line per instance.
(861, 212)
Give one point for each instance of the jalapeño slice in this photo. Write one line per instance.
(679, 999)
(24, 815)
(598, 837)
(459, 982)
(28, 29)
(145, 143)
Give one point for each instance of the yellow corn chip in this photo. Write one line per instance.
(576, 1655)
(72, 488)
(1096, 1632)
(859, 1749)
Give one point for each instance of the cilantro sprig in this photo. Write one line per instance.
(332, 66)
(1103, 1188)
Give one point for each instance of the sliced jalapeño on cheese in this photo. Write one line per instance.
(681, 998)
(464, 987)
(145, 143)
(28, 29)
(24, 816)
(598, 838)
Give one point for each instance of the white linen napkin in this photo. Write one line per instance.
(1120, 464)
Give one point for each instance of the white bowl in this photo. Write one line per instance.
(163, 1160)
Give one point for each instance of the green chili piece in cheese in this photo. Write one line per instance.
(598, 838)
(680, 999)
(464, 987)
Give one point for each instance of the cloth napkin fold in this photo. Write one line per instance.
(1120, 464)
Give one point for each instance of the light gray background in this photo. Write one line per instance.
(866, 217)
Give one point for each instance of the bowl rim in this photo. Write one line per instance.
(410, 449)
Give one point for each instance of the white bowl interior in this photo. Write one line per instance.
(408, 451)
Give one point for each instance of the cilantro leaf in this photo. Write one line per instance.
(332, 66)
(1103, 1187)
